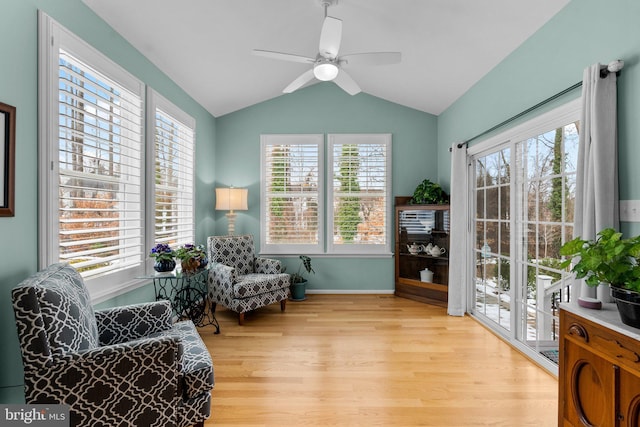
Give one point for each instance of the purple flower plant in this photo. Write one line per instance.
(162, 252)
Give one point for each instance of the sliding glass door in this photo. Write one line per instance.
(523, 195)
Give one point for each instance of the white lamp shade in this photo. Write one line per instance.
(231, 199)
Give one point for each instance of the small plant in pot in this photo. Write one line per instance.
(612, 260)
(298, 282)
(429, 193)
(163, 256)
(192, 257)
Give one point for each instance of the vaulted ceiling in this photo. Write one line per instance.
(205, 46)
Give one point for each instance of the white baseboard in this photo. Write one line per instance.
(351, 291)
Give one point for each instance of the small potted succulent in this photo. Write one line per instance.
(612, 260)
(192, 257)
(164, 257)
(298, 282)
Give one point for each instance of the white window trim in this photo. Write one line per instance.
(298, 139)
(356, 139)
(557, 117)
(157, 101)
(325, 246)
(50, 35)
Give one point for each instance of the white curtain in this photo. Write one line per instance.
(458, 249)
(597, 201)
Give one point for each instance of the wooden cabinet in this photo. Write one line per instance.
(420, 226)
(599, 372)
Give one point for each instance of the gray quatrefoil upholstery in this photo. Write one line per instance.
(124, 366)
(241, 281)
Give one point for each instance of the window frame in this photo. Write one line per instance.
(156, 102)
(384, 139)
(559, 116)
(325, 245)
(52, 36)
(291, 139)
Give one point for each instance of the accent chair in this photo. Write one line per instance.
(124, 366)
(241, 281)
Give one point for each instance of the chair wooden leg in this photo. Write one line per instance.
(283, 304)
(240, 319)
(200, 424)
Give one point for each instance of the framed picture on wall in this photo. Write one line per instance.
(7, 158)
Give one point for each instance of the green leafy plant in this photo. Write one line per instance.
(608, 259)
(429, 193)
(305, 262)
(191, 256)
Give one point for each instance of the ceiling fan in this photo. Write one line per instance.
(327, 65)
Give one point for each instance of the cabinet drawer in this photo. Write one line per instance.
(617, 348)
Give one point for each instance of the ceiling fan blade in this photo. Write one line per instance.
(371, 58)
(330, 37)
(346, 83)
(283, 56)
(304, 78)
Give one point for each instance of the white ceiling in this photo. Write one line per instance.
(205, 45)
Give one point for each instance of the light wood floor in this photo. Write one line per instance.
(371, 360)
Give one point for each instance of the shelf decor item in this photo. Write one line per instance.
(429, 193)
(612, 260)
(192, 257)
(164, 257)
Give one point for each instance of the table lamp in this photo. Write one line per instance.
(230, 199)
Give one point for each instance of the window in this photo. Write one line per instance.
(173, 179)
(524, 193)
(293, 192)
(360, 194)
(99, 204)
(291, 196)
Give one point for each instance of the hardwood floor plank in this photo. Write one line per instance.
(371, 360)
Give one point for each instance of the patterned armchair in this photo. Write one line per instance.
(240, 281)
(126, 366)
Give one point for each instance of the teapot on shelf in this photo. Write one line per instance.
(437, 251)
(415, 248)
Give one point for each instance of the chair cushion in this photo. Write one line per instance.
(256, 284)
(65, 306)
(197, 367)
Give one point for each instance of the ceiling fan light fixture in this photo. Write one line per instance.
(325, 71)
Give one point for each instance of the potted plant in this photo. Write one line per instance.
(191, 257)
(164, 257)
(298, 282)
(612, 260)
(429, 193)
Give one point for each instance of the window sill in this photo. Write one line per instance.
(333, 255)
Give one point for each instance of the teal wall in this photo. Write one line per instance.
(18, 87)
(553, 59)
(324, 108)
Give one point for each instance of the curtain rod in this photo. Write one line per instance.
(613, 67)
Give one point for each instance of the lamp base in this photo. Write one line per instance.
(231, 216)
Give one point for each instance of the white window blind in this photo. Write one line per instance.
(174, 141)
(292, 181)
(99, 166)
(360, 194)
